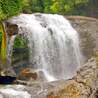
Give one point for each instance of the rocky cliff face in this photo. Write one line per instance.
(88, 32)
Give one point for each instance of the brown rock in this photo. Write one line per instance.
(11, 29)
(83, 85)
(26, 74)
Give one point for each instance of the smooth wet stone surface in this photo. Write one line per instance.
(87, 28)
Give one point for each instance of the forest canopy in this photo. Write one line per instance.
(10, 8)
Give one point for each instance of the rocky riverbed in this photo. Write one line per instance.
(82, 85)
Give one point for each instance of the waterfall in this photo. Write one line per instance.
(53, 44)
(10, 48)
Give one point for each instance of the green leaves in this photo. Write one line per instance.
(20, 42)
(57, 6)
(10, 8)
(80, 1)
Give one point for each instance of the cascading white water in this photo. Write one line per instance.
(14, 91)
(10, 48)
(53, 43)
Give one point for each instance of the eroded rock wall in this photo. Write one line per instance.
(88, 32)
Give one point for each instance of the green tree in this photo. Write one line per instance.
(47, 6)
(36, 5)
(10, 8)
(26, 8)
(66, 6)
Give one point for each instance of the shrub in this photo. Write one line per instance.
(10, 8)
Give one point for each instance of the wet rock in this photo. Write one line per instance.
(27, 74)
(8, 72)
(11, 29)
(88, 34)
(7, 79)
(83, 85)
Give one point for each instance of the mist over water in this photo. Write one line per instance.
(53, 43)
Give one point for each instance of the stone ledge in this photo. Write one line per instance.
(81, 18)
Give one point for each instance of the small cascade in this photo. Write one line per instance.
(53, 44)
(10, 48)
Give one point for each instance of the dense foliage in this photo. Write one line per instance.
(20, 42)
(54, 6)
(10, 8)
(64, 7)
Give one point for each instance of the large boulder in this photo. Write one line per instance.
(83, 85)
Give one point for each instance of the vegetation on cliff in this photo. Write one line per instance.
(10, 8)
(20, 42)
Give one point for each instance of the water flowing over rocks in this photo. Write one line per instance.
(88, 33)
(14, 92)
(53, 44)
(87, 28)
(82, 85)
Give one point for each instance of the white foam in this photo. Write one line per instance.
(11, 93)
